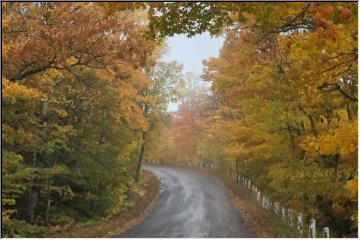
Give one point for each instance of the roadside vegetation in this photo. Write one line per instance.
(142, 196)
(260, 222)
(82, 91)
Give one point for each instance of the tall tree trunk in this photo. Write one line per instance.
(44, 109)
(32, 203)
(33, 197)
(34, 191)
(349, 113)
(312, 123)
(48, 202)
(237, 171)
(291, 135)
(141, 156)
(142, 148)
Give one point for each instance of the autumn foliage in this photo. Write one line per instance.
(84, 101)
(283, 108)
(72, 112)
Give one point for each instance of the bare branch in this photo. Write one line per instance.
(330, 87)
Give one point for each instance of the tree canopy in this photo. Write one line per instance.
(74, 83)
(85, 96)
(283, 105)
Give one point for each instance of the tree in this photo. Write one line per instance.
(283, 120)
(69, 148)
(284, 93)
(165, 77)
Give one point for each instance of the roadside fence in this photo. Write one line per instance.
(290, 216)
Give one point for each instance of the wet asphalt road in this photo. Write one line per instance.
(189, 205)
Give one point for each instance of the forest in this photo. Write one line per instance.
(85, 104)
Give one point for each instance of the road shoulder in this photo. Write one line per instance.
(260, 223)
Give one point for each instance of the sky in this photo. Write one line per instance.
(191, 52)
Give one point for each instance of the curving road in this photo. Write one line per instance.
(189, 205)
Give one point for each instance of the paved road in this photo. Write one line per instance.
(189, 205)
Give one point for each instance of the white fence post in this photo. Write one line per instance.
(283, 213)
(276, 208)
(312, 228)
(326, 232)
(263, 201)
(300, 224)
(290, 217)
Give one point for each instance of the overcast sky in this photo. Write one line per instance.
(191, 52)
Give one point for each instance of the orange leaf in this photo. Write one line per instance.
(344, 14)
